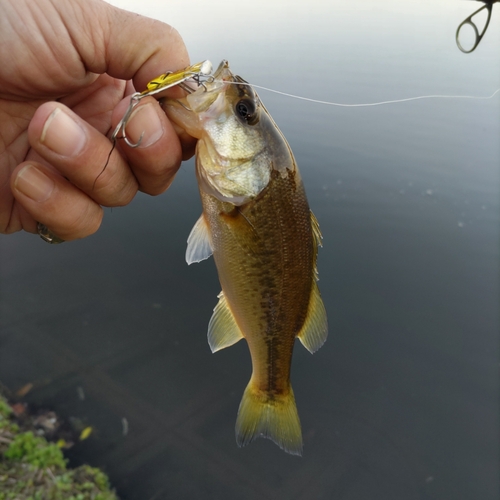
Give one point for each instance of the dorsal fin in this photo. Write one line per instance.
(315, 329)
(222, 329)
(317, 242)
(318, 237)
(199, 246)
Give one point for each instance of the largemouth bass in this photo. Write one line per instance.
(257, 224)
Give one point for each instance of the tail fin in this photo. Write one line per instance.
(273, 417)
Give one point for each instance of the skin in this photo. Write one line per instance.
(67, 67)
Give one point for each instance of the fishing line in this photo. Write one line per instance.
(179, 79)
(364, 105)
(106, 164)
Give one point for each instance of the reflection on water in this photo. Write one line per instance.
(401, 402)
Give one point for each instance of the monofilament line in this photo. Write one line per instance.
(394, 101)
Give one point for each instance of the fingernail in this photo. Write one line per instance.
(62, 134)
(145, 122)
(34, 184)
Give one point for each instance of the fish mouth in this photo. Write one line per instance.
(201, 103)
(212, 91)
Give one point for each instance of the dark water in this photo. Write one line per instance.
(402, 401)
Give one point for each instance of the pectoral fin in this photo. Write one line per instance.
(199, 246)
(222, 329)
(315, 329)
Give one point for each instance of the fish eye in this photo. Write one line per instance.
(245, 110)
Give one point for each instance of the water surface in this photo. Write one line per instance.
(402, 400)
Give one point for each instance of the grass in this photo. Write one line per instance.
(31, 468)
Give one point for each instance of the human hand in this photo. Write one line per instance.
(66, 67)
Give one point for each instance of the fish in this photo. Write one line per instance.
(257, 224)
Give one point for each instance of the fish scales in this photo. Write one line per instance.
(268, 281)
(257, 224)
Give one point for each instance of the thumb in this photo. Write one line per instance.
(124, 45)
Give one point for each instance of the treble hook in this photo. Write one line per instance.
(468, 21)
(120, 128)
(156, 86)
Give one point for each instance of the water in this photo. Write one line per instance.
(402, 400)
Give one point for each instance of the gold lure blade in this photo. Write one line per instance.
(167, 80)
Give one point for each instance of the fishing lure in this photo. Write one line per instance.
(157, 85)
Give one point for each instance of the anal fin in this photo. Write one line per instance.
(315, 329)
(222, 329)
